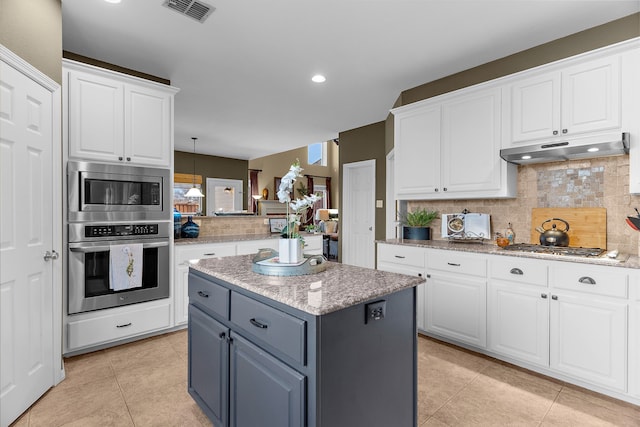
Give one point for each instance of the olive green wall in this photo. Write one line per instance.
(278, 164)
(366, 143)
(32, 29)
(212, 167)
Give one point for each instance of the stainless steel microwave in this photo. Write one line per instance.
(106, 192)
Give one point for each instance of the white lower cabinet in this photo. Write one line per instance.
(518, 309)
(588, 323)
(406, 260)
(456, 296)
(634, 342)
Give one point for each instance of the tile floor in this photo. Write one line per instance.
(144, 384)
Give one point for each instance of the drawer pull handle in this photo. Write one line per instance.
(210, 254)
(257, 324)
(516, 271)
(123, 326)
(453, 264)
(586, 280)
(203, 294)
(399, 256)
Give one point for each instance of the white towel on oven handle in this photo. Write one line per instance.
(125, 266)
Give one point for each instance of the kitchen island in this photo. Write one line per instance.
(336, 348)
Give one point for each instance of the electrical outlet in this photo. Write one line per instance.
(375, 311)
(265, 221)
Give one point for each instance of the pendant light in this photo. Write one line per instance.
(194, 191)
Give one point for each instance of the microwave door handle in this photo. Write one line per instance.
(88, 249)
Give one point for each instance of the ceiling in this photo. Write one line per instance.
(245, 73)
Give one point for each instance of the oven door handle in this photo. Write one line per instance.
(103, 248)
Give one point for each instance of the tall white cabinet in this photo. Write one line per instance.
(117, 118)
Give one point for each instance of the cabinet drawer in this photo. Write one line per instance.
(282, 331)
(209, 296)
(519, 270)
(112, 327)
(608, 281)
(457, 262)
(184, 254)
(251, 247)
(404, 255)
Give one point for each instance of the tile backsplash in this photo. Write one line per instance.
(602, 182)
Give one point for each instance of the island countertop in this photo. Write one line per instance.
(339, 286)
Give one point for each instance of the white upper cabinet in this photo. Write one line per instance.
(111, 117)
(578, 99)
(448, 148)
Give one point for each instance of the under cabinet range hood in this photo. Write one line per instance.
(581, 148)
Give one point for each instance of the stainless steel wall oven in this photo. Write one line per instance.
(90, 284)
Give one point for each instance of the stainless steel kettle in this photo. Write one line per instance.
(552, 236)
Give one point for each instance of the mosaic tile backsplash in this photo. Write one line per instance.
(602, 182)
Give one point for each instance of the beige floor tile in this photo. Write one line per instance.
(456, 355)
(22, 421)
(169, 406)
(98, 403)
(597, 399)
(501, 395)
(86, 368)
(179, 342)
(155, 351)
(136, 380)
(571, 409)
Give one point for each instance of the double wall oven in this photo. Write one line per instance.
(116, 206)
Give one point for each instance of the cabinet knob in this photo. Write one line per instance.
(435, 189)
(444, 189)
(543, 296)
(586, 280)
(516, 271)
(554, 297)
(128, 159)
(120, 158)
(555, 132)
(564, 130)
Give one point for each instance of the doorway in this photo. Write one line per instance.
(223, 195)
(358, 213)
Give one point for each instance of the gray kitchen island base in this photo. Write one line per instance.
(254, 361)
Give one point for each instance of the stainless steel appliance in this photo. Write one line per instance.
(89, 285)
(104, 192)
(466, 226)
(556, 250)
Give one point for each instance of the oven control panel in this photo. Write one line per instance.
(120, 230)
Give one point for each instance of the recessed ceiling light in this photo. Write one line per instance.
(593, 149)
(318, 78)
(526, 157)
(113, 1)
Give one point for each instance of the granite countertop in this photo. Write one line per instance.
(231, 238)
(338, 287)
(488, 247)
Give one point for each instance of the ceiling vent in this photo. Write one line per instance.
(191, 8)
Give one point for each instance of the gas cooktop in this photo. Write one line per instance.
(555, 250)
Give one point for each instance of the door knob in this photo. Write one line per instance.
(370, 228)
(51, 255)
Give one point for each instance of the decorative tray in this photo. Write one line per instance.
(266, 262)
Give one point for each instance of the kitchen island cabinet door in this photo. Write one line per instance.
(518, 321)
(209, 365)
(264, 391)
(457, 307)
(589, 338)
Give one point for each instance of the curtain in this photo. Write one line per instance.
(253, 190)
(328, 185)
(309, 217)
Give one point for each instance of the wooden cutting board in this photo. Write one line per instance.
(587, 226)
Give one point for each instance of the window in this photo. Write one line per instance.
(182, 182)
(317, 154)
(224, 196)
(322, 191)
(186, 205)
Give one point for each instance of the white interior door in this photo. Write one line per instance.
(27, 297)
(358, 213)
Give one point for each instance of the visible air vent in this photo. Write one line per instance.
(191, 8)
